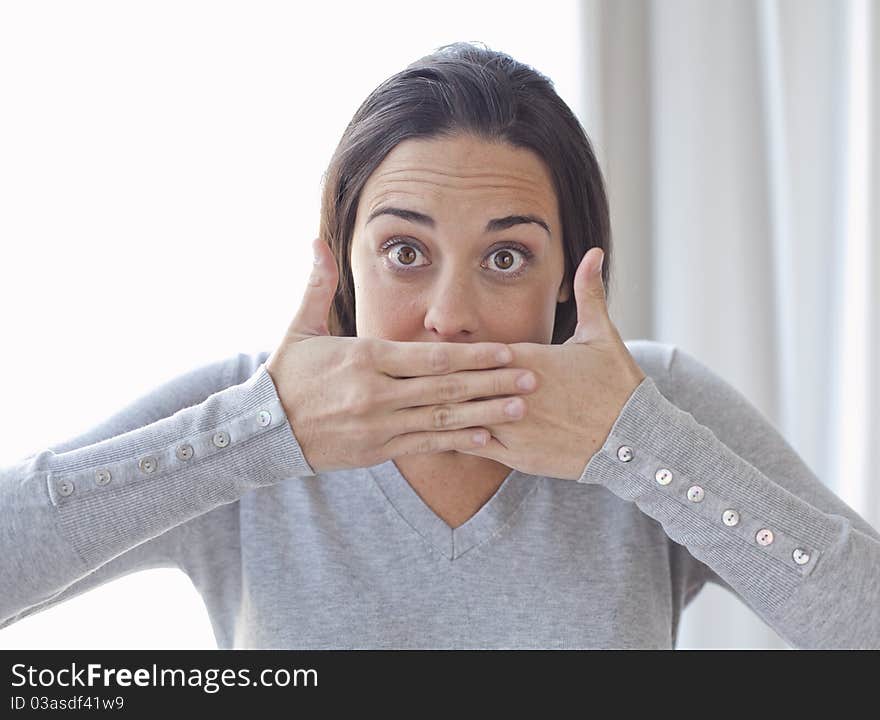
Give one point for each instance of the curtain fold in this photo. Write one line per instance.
(738, 141)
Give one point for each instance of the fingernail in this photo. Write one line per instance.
(513, 408)
(526, 382)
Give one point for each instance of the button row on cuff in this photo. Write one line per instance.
(149, 464)
(729, 517)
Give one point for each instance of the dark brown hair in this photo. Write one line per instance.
(458, 88)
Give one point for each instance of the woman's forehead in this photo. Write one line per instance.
(462, 161)
(460, 175)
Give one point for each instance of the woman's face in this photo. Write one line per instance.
(461, 264)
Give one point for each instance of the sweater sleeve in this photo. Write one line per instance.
(118, 498)
(723, 482)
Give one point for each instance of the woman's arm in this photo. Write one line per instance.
(724, 483)
(120, 497)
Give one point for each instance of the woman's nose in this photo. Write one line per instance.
(451, 311)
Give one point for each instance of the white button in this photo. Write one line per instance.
(265, 417)
(730, 517)
(695, 493)
(625, 453)
(764, 536)
(221, 438)
(65, 487)
(102, 477)
(147, 464)
(801, 556)
(663, 476)
(184, 452)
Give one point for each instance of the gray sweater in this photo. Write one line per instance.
(205, 474)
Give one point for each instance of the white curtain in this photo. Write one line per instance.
(739, 139)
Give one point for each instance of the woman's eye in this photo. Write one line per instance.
(403, 252)
(503, 260)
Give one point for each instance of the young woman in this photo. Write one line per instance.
(332, 494)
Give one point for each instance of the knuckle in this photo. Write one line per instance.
(361, 400)
(361, 354)
(439, 359)
(441, 416)
(450, 390)
(384, 394)
(426, 444)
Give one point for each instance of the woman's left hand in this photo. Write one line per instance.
(582, 386)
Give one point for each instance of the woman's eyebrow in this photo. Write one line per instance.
(494, 225)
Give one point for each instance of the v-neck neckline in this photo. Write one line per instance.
(452, 542)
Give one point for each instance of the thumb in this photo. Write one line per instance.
(592, 311)
(314, 311)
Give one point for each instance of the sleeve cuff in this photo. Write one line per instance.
(116, 493)
(760, 538)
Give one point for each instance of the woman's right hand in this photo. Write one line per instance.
(356, 402)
